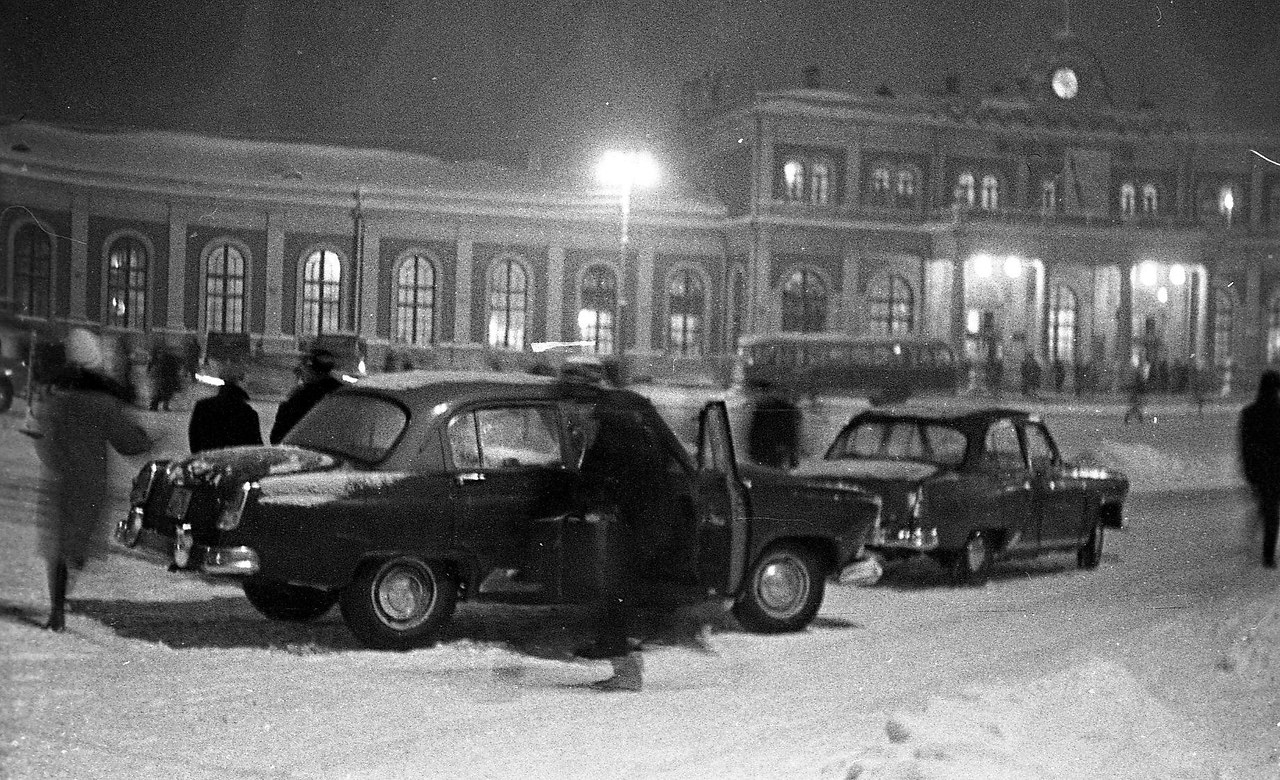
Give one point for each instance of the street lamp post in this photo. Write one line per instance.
(625, 171)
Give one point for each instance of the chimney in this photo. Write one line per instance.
(812, 77)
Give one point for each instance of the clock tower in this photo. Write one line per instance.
(1067, 74)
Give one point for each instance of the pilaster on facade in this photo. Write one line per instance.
(370, 282)
(1254, 349)
(555, 293)
(79, 283)
(175, 318)
(851, 303)
(273, 275)
(646, 259)
(1255, 196)
(759, 272)
(1124, 319)
(853, 177)
(463, 273)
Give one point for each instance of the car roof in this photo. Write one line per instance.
(970, 419)
(428, 387)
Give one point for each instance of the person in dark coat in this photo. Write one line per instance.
(1259, 437)
(82, 420)
(225, 419)
(317, 382)
(166, 377)
(774, 437)
(1031, 375)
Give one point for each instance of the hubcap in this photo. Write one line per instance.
(782, 587)
(404, 597)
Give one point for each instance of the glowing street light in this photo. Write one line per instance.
(625, 171)
(1177, 275)
(1012, 267)
(1148, 273)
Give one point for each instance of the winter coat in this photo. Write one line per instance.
(1259, 436)
(774, 438)
(224, 420)
(293, 408)
(166, 370)
(80, 421)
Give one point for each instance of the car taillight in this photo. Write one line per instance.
(142, 484)
(234, 510)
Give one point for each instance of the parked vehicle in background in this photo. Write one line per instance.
(814, 363)
(972, 488)
(398, 496)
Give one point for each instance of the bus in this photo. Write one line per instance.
(814, 363)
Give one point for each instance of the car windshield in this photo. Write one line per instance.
(901, 440)
(353, 425)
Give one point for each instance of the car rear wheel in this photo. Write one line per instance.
(400, 603)
(1090, 553)
(291, 603)
(971, 565)
(782, 591)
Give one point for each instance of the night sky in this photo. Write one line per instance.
(495, 78)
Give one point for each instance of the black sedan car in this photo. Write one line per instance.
(398, 496)
(972, 488)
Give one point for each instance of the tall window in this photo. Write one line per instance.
(964, 193)
(1273, 329)
(598, 313)
(880, 183)
(321, 292)
(892, 305)
(416, 301)
(224, 286)
(1063, 310)
(508, 304)
(990, 193)
(32, 259)
(127, 283)
(686, 300)
(793, 178)
(820, 183)
(1048, 196)
(1150, 199)
(1223, 320)
(804, 303)
(905, 185)
(1126, 199)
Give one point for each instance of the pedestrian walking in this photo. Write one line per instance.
(1259, 436)
(166, 377)
(1031, 376)
(225, 419)
(1137, 397)
(774, 437)
(82, 419)
(317, 381)
(1059, 375)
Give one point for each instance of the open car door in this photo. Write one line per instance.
(722, 504)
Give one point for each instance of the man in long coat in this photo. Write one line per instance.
(317, 382)
(1259, 436)
(225, 419)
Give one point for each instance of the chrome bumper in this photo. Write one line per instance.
(907, 538)
(182, 552)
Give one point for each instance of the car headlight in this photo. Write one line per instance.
(234, 510)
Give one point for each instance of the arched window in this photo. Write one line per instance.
(1224, 310)
(964, 194)
(793, 178)
(804, 303)
(1150, 199)
(686, 301)
(905, 186)
(32, 260)
(820, 183)
(891, 304)
(416, 301)
(224, 286)
(1126, 199)
(1273, 329)
(990, 193)
(322, 297)
(127, 283)
(508, 304)
(1064, 311)
(598, 314)
(1048, 195)
(880, 183)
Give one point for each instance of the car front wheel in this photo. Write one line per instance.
(1090, 553)
(291, 603)
(400, 603)
(782, 591)
(972, 564)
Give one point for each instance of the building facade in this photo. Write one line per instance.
(1038, 218)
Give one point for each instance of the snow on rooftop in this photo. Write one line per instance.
(414, 380)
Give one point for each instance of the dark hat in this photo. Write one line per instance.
(321, 360)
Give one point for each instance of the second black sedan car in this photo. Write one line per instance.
(971, 488)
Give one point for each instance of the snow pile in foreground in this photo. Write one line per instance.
(1153, 469)
(1092, 721)
(1253, 655)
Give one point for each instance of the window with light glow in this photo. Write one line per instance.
(224, 289)
(1048, 195)
(1127, 199)
(687, 302)
(965, 193)
(880, 179)
(990, 193)
(1224, 310)
(820, 183)
(1063, 311)
(598, 313)
(891, 305)
(322, 297)
(793, 178)
(1273, 329)
(804, 303)
(508, 304)
(416, 301)
(1229, 201)
(1150, 199)
(32, 264)
(905, 186)
(127, 269)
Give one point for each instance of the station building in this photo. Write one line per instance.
(1035, 217)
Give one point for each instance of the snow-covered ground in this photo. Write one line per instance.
(1163, 663)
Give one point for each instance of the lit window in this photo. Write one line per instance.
(964, 194)
(224, 289)
(892, 306)
(905, 186)
(1062, 324)
(804, 303)
(1273, 330)
(508, 304)
(127, 284)
(1150, 199)
(416, 301)
(820, 183)
(686, 298)
(1048, 195)
(598, 313)
(793, 177)
(990, 193)
(1223, 320)
(1228, 200)
(322, 292)
(32, 259)
(1126, 199)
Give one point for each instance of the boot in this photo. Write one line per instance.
(57, 596)
(628, 673)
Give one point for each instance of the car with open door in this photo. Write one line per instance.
(396, 497)
(972, 488)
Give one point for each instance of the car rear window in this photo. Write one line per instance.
(353, 425)
(901, 440)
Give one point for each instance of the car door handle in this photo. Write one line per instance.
(469, 476)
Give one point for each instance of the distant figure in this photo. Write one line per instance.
(1059, 375)
(1259, 437)
(191, 357)
(1083, 377)
(1137, 396)
(1031, 375)
(317, 381)
(166, 377)
(225, 419)
(774, 438)
(83, 418)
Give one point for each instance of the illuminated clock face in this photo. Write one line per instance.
(1065, 83)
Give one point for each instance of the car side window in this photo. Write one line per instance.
(1003, 448)
(506, 437)
(1040, 449)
